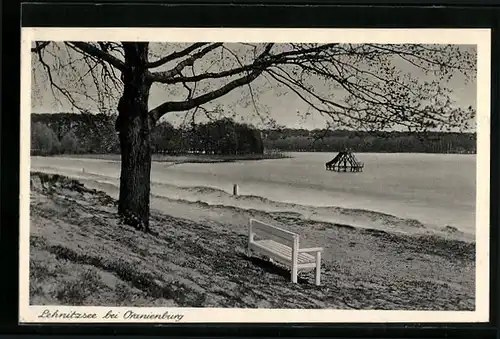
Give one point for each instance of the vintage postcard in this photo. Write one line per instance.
(254, 175)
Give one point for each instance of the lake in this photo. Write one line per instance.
(437, 189)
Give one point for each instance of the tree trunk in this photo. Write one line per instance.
(133, 126)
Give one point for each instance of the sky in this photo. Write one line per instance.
(271, 100)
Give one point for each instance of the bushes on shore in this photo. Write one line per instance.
(43, 140)
(84, 133)
(73, 134)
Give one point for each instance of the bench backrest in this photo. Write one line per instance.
(267, 231)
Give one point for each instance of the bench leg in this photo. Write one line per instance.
(318, 268)
(294, 274)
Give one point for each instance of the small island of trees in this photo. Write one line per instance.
(220, 137)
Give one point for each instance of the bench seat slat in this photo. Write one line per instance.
(285, 251)
(266, 251)
(308, 265)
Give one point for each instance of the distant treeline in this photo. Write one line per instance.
(95, 133)
(301, 140)
(65, 133)
(73, 133)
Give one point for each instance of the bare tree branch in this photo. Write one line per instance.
(172, 106)
(374, 91)
(266, 51)
(40, 46)
(259, 65)
(53, 84)
(156, 77)
(161, 77)
(175, 55)
(96, 52)
(164, 76)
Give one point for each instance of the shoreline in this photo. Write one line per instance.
(198, 259)
(204, 158)
(183, 158)
(165, 194)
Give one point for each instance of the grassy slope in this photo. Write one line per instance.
(81, 255)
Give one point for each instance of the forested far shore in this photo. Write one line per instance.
(301, 140)
(68, 133)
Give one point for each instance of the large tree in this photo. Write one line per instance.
(362, 86)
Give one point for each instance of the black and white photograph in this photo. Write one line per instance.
(260, 175)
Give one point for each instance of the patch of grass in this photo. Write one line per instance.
(53, 179)
(447, 247)
(143, 281)
(75, 292)
(37, 242)
(129, 273)
(39, 274)
(50, 182)
(123, 294)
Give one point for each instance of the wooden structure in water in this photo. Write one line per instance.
(345, 161)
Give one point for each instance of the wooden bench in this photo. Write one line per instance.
(283, 246)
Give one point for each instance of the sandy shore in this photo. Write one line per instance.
(82, 255)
